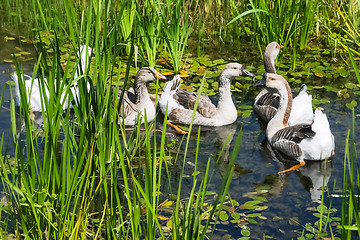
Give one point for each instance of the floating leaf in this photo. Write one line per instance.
(351, 86)
(196, 173)
(330, 88)
(343, 72)
(245, 232)
(309, 236)
(218, 61)
(319, 74)
(246, 113)
(235, 215)
(24, 53)
(10, 83)
(294, 221)
(169, 224)
(251, 220)
(245, 107)
(6, 38)
(163, 218)
(201, 70)
(254, 215)
(167, 204)
(223, 216)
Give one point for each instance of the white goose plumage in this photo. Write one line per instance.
(301, 141)
(181, 103)
(33, 88)
(139, 101)
(267, 101)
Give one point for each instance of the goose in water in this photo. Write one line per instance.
(139, 101)
(32, 86)
(267, 101)
(180, 103)
(301, 141)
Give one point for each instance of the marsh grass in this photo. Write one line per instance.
(85, 176)
(162, 28)
(350, 214)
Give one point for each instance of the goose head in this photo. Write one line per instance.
(232, 70)
(147, 75)
(272, 50)
(272, 80)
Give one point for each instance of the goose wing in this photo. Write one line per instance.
(287, 139)
(128, 105)
(188, 99)
(266, 105)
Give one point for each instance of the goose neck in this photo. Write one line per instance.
(285, 105)
(269, 63)
(141, 91)
(224, 91)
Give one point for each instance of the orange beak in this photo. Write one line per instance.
(280, 46)
(159, 75)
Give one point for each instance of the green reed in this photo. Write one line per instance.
(350, 214)
(87, 177)
(150, 28)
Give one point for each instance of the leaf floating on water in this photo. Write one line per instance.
(223, 216)
(245, 232)
(219, 61)
(10, 83)
(24, 53)
(351, 105)
(6, 38)
(163, 218)
(330, 88)
(201, 70)
(294, 221)
(16, 54)
(352, 86)
(235, 215)
(319, 74)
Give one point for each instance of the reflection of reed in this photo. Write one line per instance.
(318, 172)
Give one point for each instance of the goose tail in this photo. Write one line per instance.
(167, 97)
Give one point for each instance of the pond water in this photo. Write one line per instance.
(289, 200)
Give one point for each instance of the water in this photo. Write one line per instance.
(291, 198)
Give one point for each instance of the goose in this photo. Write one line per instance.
(180, 103)
(301, 141)
(138, 100)
(32, 86)
(267, 101)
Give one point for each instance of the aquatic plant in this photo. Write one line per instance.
(86, 176)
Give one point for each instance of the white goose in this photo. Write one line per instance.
(301, 141)
(267, 101)
(33, 88)
(181, 103)
(139, 101)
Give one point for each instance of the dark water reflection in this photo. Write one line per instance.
(291, 195)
